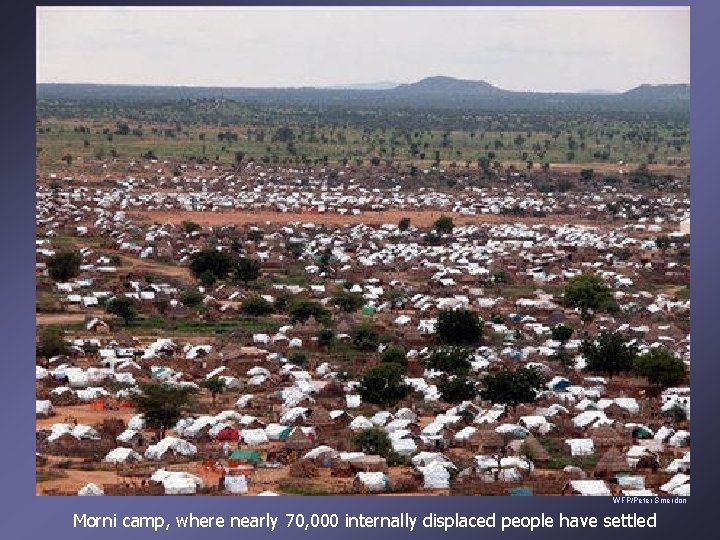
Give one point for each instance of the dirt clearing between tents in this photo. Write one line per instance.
(84, 414)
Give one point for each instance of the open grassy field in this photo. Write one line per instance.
(595, 141)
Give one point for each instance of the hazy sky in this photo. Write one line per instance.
(514, 48)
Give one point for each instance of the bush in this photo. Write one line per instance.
(191, 297)
(302, 309)
(64, 265)
(326, 337)
(365, 338)
(123, 307)
(190, 227)
(51, 342)
(256, 306)
(444, 225)
(394, 355)
(254, 235)
(299, 358)
(294, 249)
(348, 301)
(501, 277)
(404, 224)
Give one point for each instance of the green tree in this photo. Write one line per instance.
(294, 249)
(660, 367)
(444, 225)
(190, 227)
(208, 278)
(215, 385)
(500, 277)
(395, 297)
(255, 235)
(162, 405)
(123, 307)
(609, 353)
(454, 360)
(459, 327)
(365, 338)
(393, 355)
(374, 442)
(662, 242)
(348, 301)
(512, 387)
(64, 265)
(217, 263)
(247, 269)
(589, 293)
(301, 310)
(299, 358)
(191, 297)
(404, 224)
(326, 337)
(256, 306)
(51, 342)
(383, 385)
(456, 389)
(562, 333)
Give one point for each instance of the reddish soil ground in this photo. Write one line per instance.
(84, 414)
(59, 318)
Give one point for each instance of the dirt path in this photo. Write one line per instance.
(59, 318)
(74, 480)
(134, 264)
(84, 414)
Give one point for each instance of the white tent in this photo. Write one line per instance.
(90, 490)
(177, 482)
(435, 476)
(43, 407)
(121, 455)
(178, 446)
(374, 481)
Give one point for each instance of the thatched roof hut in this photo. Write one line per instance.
(612, 462)
(319, 416)
(538, 452)
(486, 440)
(605, 436)
(298, 440)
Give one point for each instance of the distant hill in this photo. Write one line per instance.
(438, 92)
(447, 86)
(660, 92)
